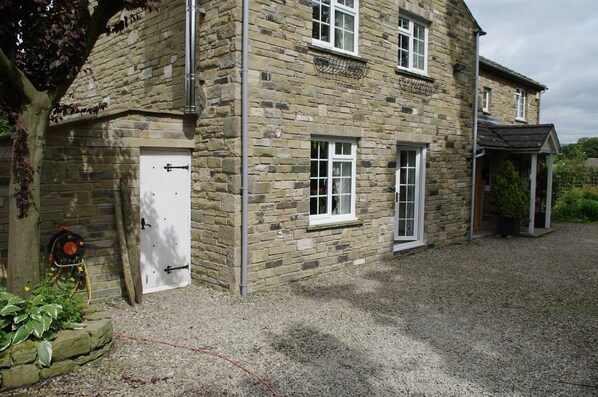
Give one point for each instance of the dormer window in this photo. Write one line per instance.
(413, 45)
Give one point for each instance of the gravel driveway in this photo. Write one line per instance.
(495, 318)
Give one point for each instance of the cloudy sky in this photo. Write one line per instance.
(554, 42)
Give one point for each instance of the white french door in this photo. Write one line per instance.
(409, 195)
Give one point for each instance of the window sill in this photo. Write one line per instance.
(326, 50)
(486, 112)
(409, 73)
(519, 120)
(407, 246)
(334, 225)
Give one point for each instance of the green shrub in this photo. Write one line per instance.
(48, 310)
(512, 196)
(577, 205)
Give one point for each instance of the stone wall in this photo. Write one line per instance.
(289, 103)
(502, 99)
(70, 349)
(142, 67)
(85, 161)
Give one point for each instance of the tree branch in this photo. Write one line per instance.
(102, 13)
(17, 79)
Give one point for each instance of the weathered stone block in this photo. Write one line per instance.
(20, 375)
(24, 353)
(57, 368)
(70, 344)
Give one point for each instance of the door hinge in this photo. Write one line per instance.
(169, 167)
(169, 268)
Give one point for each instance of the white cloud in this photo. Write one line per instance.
(555, 43)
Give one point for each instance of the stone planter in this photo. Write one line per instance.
(70, 349)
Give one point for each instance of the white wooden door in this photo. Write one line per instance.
(165, 219)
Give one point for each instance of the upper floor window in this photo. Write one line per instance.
(335, 24)
(486, 100)
(520, 104)
(332, 180)
(413, 45)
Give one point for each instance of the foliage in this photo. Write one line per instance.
(512, 197)
(4, 126)
(40, 317)
(578, 205)
(44, 45)
(585, 148)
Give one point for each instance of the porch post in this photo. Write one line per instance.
(533, 175)
(549, 190)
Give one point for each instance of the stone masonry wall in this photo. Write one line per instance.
(502, 99)
(215, 194)
(290, 103)
(84, 164)
(142, 67)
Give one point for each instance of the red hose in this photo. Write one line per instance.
(270, 388)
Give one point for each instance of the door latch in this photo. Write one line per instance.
(143, 224)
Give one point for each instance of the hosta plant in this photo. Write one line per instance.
(38, 318)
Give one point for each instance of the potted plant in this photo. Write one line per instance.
(512, 200)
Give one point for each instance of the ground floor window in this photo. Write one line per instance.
(332, 180)
(409, 197)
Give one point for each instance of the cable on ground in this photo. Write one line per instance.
(263, 381)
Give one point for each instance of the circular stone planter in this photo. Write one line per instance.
(70, 349)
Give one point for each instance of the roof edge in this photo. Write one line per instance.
(503, 70)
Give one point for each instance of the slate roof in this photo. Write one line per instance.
(528, 138)
(497, 68)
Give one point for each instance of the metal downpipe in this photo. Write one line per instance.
(475, 133)
(244, 149)
(190, 51)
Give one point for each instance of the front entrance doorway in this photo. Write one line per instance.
(165, 219)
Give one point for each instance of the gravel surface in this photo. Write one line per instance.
(498, 317)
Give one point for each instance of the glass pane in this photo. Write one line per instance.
(349, 41)
(410, 193)
(419, 32)
(401, 227)
(323, 169)
(409, 211)
(346, 185)
(313, 172)
(325, 15)
(342, 148)
(348, 3)
(313, 186)
(346, 169)
(345, 205)
(408, 228)
(315, 10)
(402, 193)
(313, 206)
(322, 205)
(323, 150)
(322, 186)
(325, 33)
(403, 23)
(410, 156)
(411, 173)
(401, 211)
(402, 177)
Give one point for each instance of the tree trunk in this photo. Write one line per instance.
(24, 257)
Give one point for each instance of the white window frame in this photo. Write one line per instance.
(520, 96)
(409, 32)
(337, 6)
(416, 238)
(486, 95)
(328, 216)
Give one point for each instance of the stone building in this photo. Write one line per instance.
(509, 129)
(353, 122)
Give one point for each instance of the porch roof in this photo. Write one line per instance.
(528, 138)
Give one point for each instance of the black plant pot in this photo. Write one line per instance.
(508, 226)
(540, 219)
